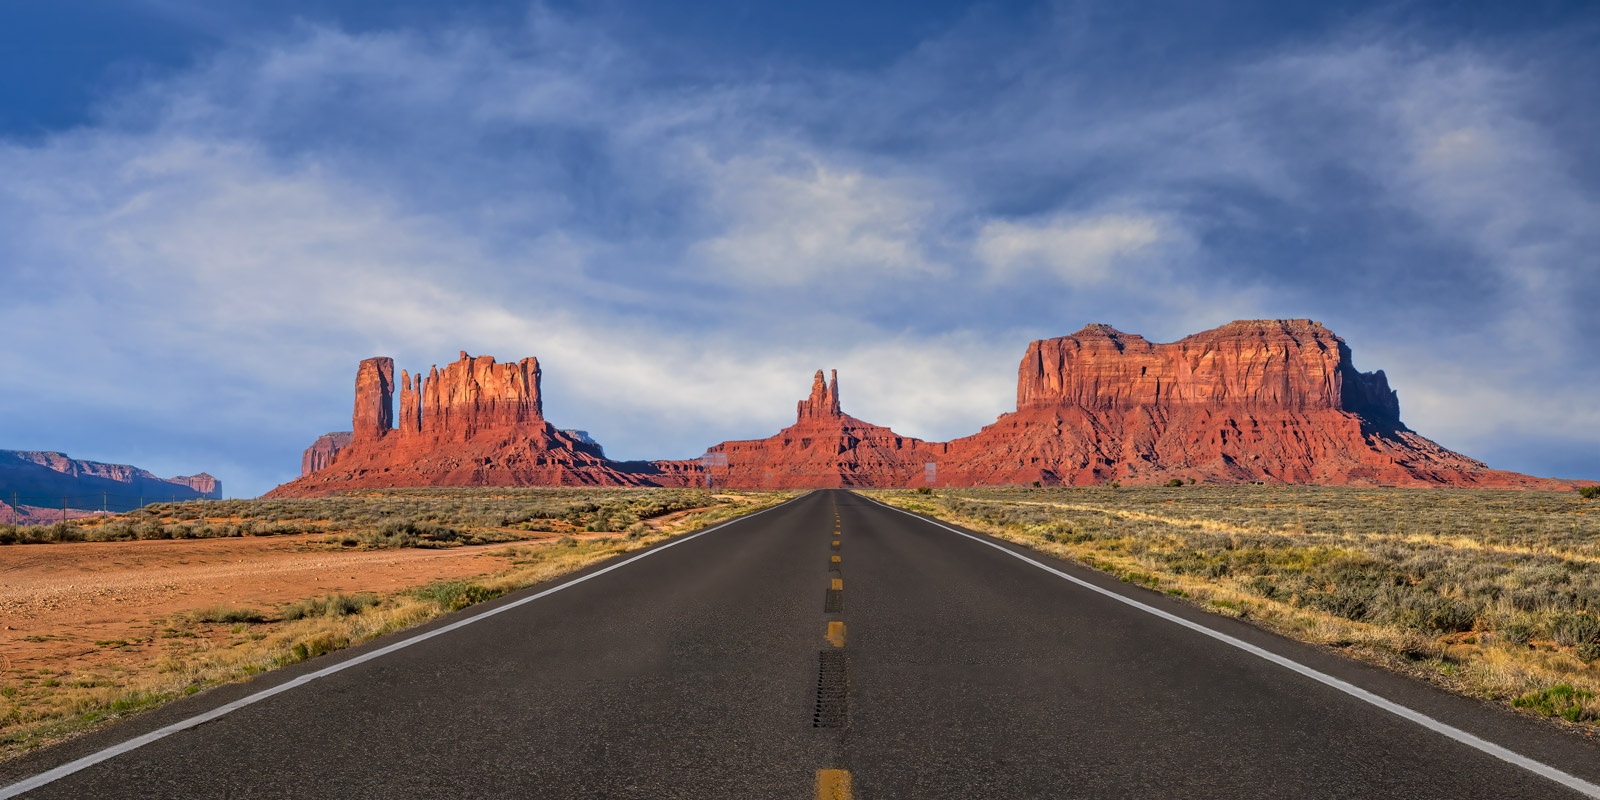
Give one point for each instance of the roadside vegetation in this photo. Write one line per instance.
(543, 533)
(388, 518)
(1494, 594)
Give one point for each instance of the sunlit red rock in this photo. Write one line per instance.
(824, 448)
(474, 423)
(374, 412)
(1276, 401)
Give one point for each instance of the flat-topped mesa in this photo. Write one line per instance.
(1292, 364)
(824, 400)
(204, 483)
(475, 394)
(374, 414)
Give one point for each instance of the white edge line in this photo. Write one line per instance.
(1536, 767)
(50, 776)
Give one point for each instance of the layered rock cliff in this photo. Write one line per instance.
(1262, 400)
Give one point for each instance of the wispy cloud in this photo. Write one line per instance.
(1080, 252)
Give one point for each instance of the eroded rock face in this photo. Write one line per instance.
(1260, 400)
(474, 423)
(1267, 364)
(474, 394)
(321, 453)
(824, 400)
(374, 412)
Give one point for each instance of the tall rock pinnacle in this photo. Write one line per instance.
(374, 411)
(824, 400)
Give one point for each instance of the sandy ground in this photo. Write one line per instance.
(58, 600)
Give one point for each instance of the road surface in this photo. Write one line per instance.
(827, 647)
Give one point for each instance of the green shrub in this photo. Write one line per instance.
(337, 605)
(1175, 482)
(924, 490)
(1589, 492)
(228, 615)
(1570, 630)
(1515, 633)
(319, 644)
(455, 595)
(1560, 699)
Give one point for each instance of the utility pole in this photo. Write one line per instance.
(105, 500)
(63, 509)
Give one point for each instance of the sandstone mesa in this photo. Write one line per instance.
(1277, 401)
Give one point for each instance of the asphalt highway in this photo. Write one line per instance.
(829, 647)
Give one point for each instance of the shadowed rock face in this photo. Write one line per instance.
(321, 453)
(1258, 400)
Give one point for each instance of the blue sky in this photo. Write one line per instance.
(208, 217)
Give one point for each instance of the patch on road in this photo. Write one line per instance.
(831, 690)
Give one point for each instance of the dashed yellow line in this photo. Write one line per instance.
(836, 634)
(838, 584)
(833, 784)
(835, 559)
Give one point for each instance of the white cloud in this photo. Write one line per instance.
(796, 219)
(1079, 251)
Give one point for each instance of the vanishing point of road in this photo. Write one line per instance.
(829, 647)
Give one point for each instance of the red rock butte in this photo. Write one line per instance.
(1275, 401)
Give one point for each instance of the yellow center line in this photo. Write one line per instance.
(835, 559)
(836, 634)
(838, 584)
(833, 784)
(835, 542)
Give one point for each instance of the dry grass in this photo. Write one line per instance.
(388, 518)
(1492, 594)
(218, 645)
